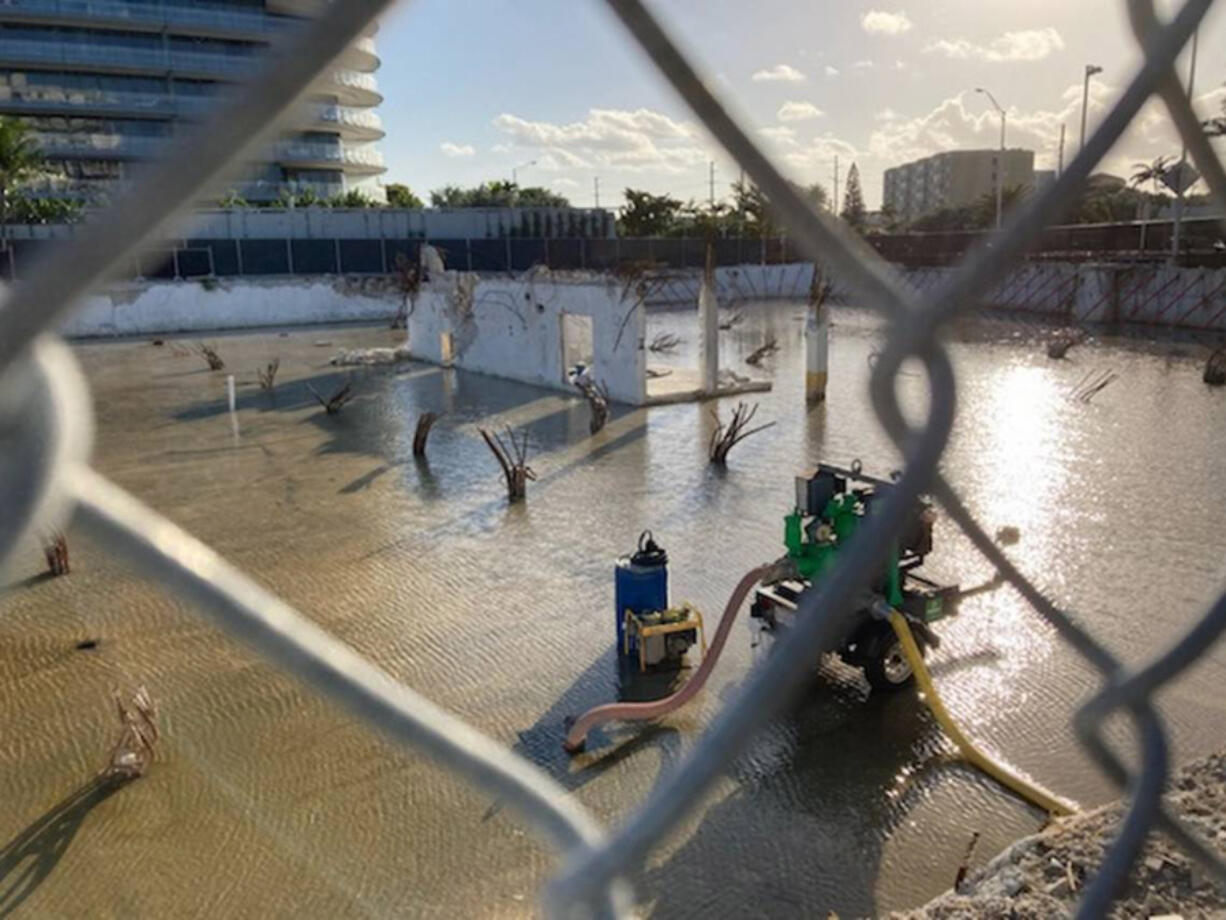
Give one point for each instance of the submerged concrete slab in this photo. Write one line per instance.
(684, 384)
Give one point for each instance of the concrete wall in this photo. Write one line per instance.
(184, 306)
(1062, 291)
(513, 328)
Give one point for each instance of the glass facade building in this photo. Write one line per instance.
(103, 84)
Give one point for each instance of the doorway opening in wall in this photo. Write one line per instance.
(577, 343)
(446, 348)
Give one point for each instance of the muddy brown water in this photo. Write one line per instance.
(266, 801)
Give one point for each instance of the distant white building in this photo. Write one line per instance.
(953, 179)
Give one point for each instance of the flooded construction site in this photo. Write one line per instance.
(265, 800)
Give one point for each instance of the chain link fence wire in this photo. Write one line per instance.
(45, 435)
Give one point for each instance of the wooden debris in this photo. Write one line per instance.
(55, 549)
(209, 353)
(424, 423)
(724, 438)
(769, 348)
(133, 753)
(734, 320)
(664, 342)
(334, 403)
(1215, 369)
(514, 461)
(653, 373)
(268, 374)
(965, 866)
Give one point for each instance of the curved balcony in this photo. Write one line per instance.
(193, 19)
(351, 87)
(307, 155)
(354, 124)
(361, 55)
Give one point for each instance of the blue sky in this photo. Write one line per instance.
(476, 87)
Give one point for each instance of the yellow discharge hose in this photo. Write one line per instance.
(1029, 791)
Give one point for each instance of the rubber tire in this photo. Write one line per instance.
(882, 645)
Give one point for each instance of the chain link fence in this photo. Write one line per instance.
(45, 429)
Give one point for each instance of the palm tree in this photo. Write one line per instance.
(1149, 172)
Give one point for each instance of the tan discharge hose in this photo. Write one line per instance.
(639, 712)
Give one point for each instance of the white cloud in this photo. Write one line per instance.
(780, 73)
(880, 22)
(565, 183)
(886, 114)
(1026, 45)
(456, 150)
(636, 140)
(799, 111)
(780, 134)
(815, 158)
(831, 71)
(863, 65)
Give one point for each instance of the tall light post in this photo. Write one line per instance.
(515, 171)
(1000, 166)
(1091, 69)
(1177, 233)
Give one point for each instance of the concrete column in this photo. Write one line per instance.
(817, 353)
(708, 327)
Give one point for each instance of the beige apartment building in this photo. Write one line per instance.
(952, 179)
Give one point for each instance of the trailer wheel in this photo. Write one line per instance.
(886, 665)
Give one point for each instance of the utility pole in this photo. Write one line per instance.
(834, 205)
(712, 185)
(1060, 156)
(1000, 165)
(596, 184)
(1177, 231)
(1091, 69)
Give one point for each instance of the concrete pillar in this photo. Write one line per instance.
(708, 327)
(817, 353)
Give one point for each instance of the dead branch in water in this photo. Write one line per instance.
(514, 462)
(55, 549)
(133, 752)
(268, 374)
(820, 288)
(734, 320)
(424, 423)
(334, 403)
(724, 438)
(209, 353)
(1215, 369)
(597, 396)
(1091, 384)
(664, 342)
(408, 279)
(653, 373)
(965, 866)
(756, 356)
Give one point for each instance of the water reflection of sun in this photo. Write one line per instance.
(1019, 479)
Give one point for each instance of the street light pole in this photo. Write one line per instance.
(515, 171)
(1000, 165)
(1091, 69)
(1177, 231)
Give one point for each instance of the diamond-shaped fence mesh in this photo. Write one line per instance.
(45, 431)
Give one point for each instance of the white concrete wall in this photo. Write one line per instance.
(512, 328)
(188, 306)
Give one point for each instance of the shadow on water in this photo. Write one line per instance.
(803, 833)
(29, 858)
